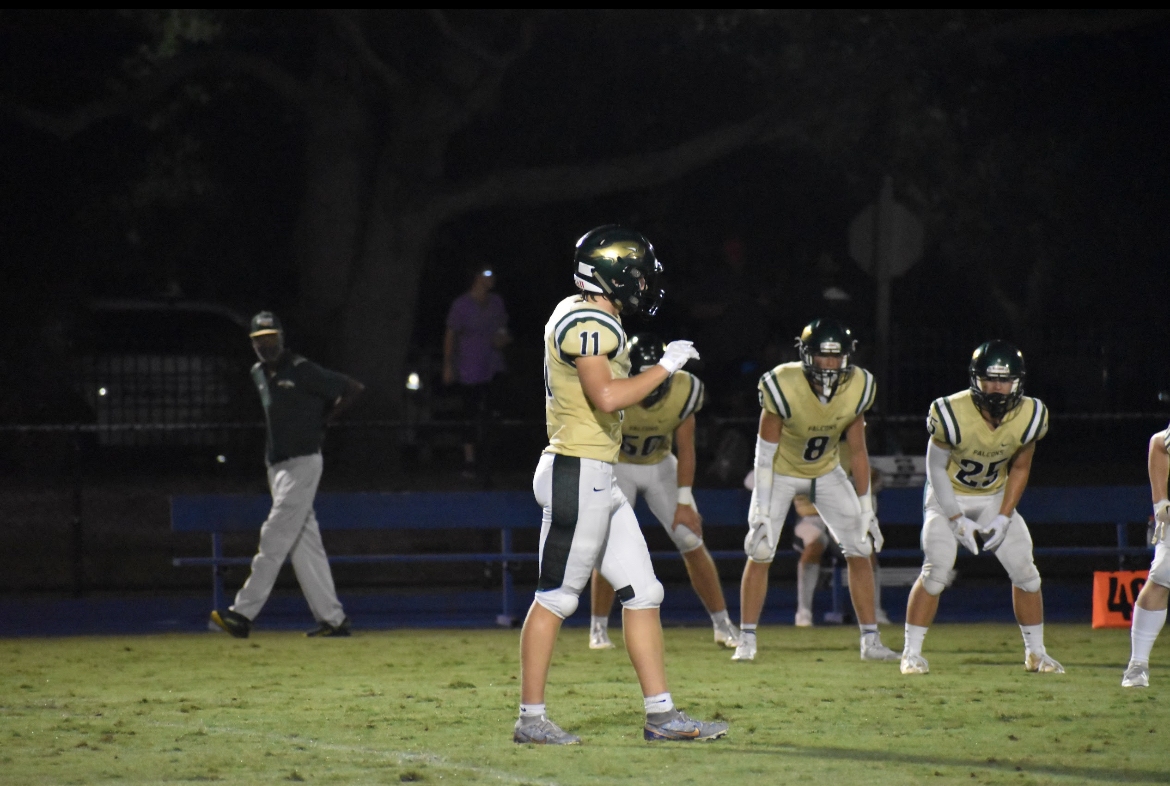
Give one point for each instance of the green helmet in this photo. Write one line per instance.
(619, 263)
(646, 350)
(997, 360)
(828, 338)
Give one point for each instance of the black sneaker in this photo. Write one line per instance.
(236, 624)
(325, 629)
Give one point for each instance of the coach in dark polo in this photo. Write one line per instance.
(299, 399)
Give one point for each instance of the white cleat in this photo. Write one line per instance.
(727, 635)
(913, 663)
(873, 649)
(804, 618)
(1042, 664)
(746, 649)
(1137, 675)
(599, 639)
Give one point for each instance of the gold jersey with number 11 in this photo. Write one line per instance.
(578, 328)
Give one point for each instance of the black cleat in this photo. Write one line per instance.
(325, 629)
(236, 624)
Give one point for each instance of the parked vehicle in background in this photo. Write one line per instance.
(165, 374)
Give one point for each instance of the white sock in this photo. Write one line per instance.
(868, 629)
(748, 628)
(531, 711)
(1146, 627)
(806, 584)
(599, 623)
(660, 703)
(1033, 638)
(721, 618)
(915, 634)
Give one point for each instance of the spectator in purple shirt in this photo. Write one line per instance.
(477, 332)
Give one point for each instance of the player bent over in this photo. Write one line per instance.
(807, 408)
(587, 521)
(978, 460)
(646, 466)
(1149, 612)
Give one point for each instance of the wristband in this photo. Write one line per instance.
(685, 497)
(866, 501)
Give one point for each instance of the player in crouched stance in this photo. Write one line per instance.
(646, 466)
(808, 408)
(1149, 612)
(978, 460)
(587, 521)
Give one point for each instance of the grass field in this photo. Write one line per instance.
(437, 706)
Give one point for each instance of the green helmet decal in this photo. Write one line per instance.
(620, 264)
(997, 361)
(646, 349)
(826, 338)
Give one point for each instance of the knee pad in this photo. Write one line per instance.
(649, 598)
(1028, 580)
(932, 585)
(756, 547)
(685, 539)
(559, 601)
(808, 533)
(860, 547)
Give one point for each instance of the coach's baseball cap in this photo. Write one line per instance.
(264, 323)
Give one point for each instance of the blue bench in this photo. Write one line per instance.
(507, 511)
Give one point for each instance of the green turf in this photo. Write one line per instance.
(437, 706)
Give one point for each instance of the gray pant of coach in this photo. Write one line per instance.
(292, 531)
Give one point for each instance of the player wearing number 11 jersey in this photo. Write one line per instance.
(978, 460)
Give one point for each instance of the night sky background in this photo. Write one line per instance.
(1031, 146)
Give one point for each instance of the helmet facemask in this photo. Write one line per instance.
(997, 361)
(829, 379)
(826, 338)
(997, 405)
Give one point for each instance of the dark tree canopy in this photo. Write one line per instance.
(344, 166)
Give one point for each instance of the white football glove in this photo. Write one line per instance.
(869, 520)
(1161, 521)
(677, 354)
(964, 529)
(995, 532)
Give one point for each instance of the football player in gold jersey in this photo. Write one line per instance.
(587, 521)
(978, 460)
(1149, 612)
(646, 466)
(808, 408)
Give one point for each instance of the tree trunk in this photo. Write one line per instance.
(338, 185)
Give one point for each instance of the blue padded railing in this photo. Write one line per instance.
(506, 511)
